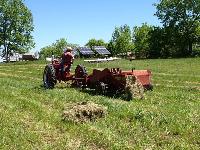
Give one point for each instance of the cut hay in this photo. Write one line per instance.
(134, 88)
(83, 112)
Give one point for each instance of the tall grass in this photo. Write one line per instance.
(168, 117)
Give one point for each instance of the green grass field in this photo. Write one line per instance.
(168, 117)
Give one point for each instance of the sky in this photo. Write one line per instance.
(81, 20)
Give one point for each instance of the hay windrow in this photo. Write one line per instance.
(83, 112)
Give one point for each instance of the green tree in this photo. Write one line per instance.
(121, 41)
(59, 46)
(196, 46)
(55, 48)
(94, 42)
(16, 25)
(182, 18)
(141, 40)
(46, 51)
(160, 43)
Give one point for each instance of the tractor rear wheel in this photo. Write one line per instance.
(49, 77)
(133, 88)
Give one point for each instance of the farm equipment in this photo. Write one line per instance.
(131, 83)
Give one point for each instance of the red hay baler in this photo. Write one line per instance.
(112, 80)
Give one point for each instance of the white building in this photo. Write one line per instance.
(17, 57)
(30, 56)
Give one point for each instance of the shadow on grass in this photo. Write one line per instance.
(92, 92)
(41, 87)
(113, 95)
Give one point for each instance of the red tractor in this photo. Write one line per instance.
(53, 73)
(114, 80)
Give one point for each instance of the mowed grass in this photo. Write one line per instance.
(168, 117)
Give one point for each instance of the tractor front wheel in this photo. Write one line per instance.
(49, 77)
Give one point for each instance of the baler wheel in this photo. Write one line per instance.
(80, 72)
(49, 77)
(148, 87)
(133, 88)
(101, 88)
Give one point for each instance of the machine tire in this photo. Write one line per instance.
(80, 72)
(133, 88)
(149, 87)
(101, 88)
(49, 77)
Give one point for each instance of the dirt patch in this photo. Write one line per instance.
(83, 112)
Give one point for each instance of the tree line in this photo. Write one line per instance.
(178, 35)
